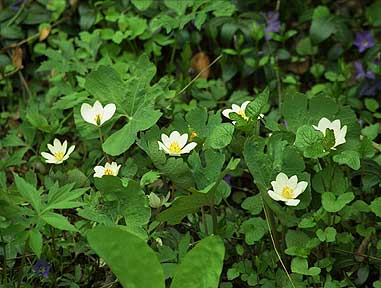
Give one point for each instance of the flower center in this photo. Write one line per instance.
(174, 147)
(97, 119)
(242, 113)
(288, 192)
(365, 43)
(59, 156)
(108, 171)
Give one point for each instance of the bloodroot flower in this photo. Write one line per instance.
(364, 40)
(58, 151)
(97, 114)
(286, 189)
(174, 145)
(338, 132)
(42, 268)
(109, 169)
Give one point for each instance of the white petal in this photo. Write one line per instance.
(175, 136)
(188, 148)
(64, 147)
(52, 148)
(57, 144)
(324, 123)
(274, 195)
(292, 182)
(292, 202)
(165, 140)
(71, 149)
(98, 108)
(226, 112)
(282, 179)
(335, 125)
(183, 140)
(236, 108)
(47, 156)
(163, 147)
(244, 105)
(108, 112)
(99, 171)
(87, 113)
(300, 187)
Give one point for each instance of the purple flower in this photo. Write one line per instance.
(285, 123)
(42, 268)
(360, 73)
(272, 23)
(364, 40)
(227, 179)
(370, 88)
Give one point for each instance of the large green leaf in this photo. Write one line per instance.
(134, 263)
(202, 266)
(28, 192)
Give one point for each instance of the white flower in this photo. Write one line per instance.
(287, 189)
(109, 169)
(174, 145)
(97, 114)
(156, 201)
(338, 132)
(58, 151)
(240, 110)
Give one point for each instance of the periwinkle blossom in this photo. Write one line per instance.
(42, 268)
(364, 40)
(272, 23)
(360, 72)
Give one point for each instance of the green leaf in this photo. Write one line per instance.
(348, 157)
(254, 229)
(57, 221)
(371, 131)
(373, 13)
(323, 24)
(328, 235)
(182, 206)
(140, 267)
(202, 266)
(375, 206)
(253, 204)
(300, 265)
(332, 204)
(142, 5)
(178, 6)
(220, 136)
(294, 110)
(310, 142)
(28, 192)
(35, 241)
(149, 177)
(256, 106)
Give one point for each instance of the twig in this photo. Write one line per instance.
(273, 242)
(198, 75)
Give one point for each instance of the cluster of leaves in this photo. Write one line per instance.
(220, 228)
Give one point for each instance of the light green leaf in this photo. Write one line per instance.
(57, 221)
(348, 157)
(254, 229)
(28, 192)
(323, 24)
(35, 241)
(375, 206)
(310, 142)
(202, 266)
(142, 5)
(140, 267)
(300, 265)
(256, 106)
(182, 206)
(221, 136)
(332, 204)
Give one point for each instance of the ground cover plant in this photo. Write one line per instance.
(190, 143)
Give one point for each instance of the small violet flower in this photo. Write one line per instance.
(287, 189)
(97, 114)
(364, 40)
(272, 24)
(59, 152)
(109, 169)
(360, 73)
(42, 268)
(174, 145)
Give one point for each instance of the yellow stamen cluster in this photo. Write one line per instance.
(59, 156)
(288, 192)
(97, 119)
(109, 172)
(242, 114)
(174, 147)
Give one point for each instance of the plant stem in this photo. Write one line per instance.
(204, 221)
(4, 261)
(214, 217)
(22, 264)
(101, 140)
